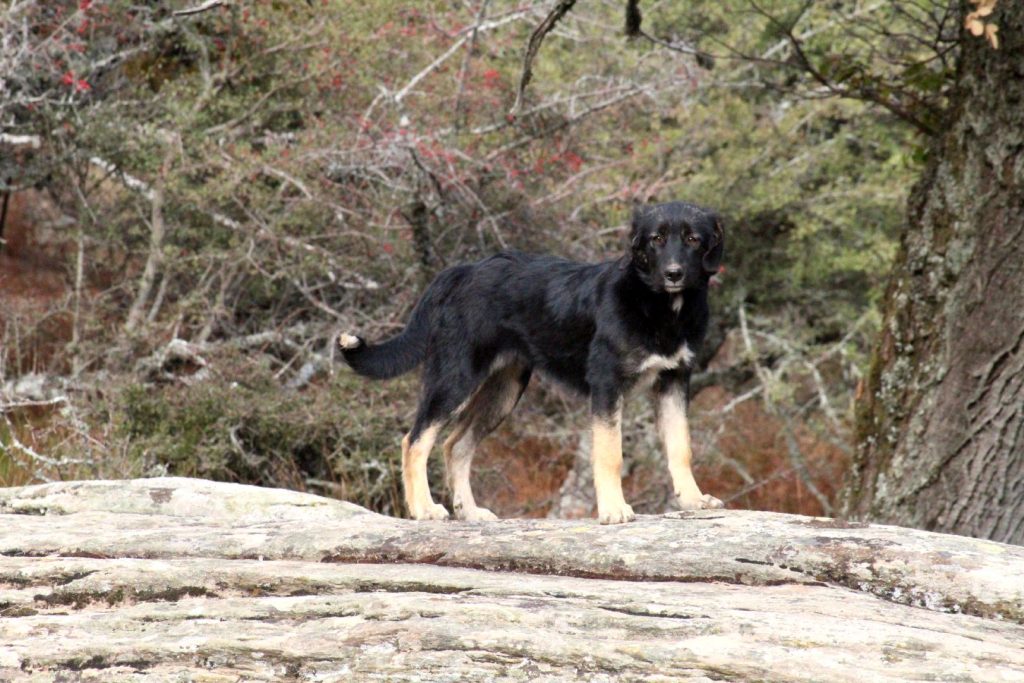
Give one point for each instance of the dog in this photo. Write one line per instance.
(603, 330)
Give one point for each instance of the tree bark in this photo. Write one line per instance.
(941, 423)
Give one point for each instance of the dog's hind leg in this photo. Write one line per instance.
(416, 446)
(491, 403)
(447, 391)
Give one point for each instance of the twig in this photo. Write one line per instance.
(565, 122)
(536, 38)
(762, 374)
(400, 95)
(796, 456)
(203, 7)
(819, 382)
(37, 456)
(142, 187)
(728, 407)
(756, 485)
(464, 69)
(6, 192)
(154, 258)
(867, 93)
(278, 173)
(76, 361)
(130, 181)
(158, 300)
(33, 141)
(16, 405)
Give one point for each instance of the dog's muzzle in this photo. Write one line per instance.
(673, 278)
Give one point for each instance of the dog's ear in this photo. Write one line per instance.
(636, 239)
(716, 249)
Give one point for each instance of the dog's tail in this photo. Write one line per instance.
(394, 357)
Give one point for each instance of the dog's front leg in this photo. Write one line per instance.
(674, 429)
(606, 423)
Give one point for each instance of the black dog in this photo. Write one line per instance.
(602, 329)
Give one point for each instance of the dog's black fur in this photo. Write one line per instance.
(587, 326)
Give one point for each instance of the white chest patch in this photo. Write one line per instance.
(658, 363)
(677, 302)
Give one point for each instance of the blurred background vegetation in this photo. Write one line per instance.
(197, 196)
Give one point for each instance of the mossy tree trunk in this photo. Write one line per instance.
(941, 424)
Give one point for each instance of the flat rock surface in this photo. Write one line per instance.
(181, 579)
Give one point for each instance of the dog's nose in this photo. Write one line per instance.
(674, 273)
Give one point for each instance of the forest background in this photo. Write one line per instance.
(197, 196)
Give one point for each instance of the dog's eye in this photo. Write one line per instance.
(693, 241)
(658, 239)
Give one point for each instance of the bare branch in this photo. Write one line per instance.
(130, 181)
(559, 11)
(156, 244)
(480, 26)
(33, 141)
(143, 188)
(464, 69)
(202, 7)
(17, 405)
(634, 18)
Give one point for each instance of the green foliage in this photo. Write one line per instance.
(288, 153)
(341, 436)
(319, 164)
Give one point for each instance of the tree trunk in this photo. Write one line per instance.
(941, 425)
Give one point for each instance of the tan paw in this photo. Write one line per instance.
(616, 514)
(700, 502)
(432, 511)
(712, 503)
(476, 514)
(348, 341)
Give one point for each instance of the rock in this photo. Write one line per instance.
(34, 388)
(179, 579)
(179, 360)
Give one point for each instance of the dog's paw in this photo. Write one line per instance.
(476, 515)
(711, 503)
(432, 511)
(348, 341)
(702, 502)
(616, 514)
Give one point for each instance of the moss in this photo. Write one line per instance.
(12, 612)
(120, 594)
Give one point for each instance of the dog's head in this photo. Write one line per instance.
(676, 246)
